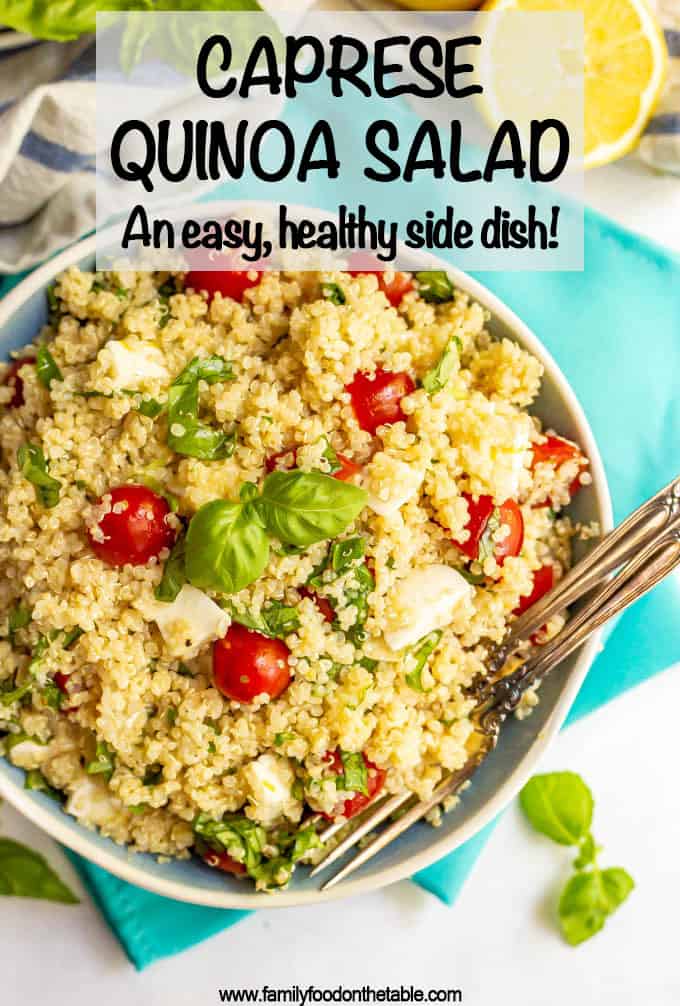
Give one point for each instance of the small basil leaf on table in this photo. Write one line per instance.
(174, 574)
(46, 367)
(26, 874)
(226, 547)
(301, 508)
(34, 468)
(559, 805)
(589, 898)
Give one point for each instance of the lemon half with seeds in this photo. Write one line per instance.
(626, 63)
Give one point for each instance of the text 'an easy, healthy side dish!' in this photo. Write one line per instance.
(256, 532)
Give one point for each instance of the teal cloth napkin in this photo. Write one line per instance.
(614, 329)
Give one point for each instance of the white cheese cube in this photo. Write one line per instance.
(391, 483)
(423, 601)
(92, 802)
(188, 622)
(28, 754)
(130, 364)
(270, 782)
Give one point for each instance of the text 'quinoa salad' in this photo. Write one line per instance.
(256, 533)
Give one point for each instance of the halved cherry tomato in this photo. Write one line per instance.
(285, 460)
(135, 529)
(544, 580)
(480, 511)
(323, 604)
(555, 451)
(374, 783)
(395, 289)
(12, 380)
(229, 284)
(224, 862)
(247, 664)
(376, 399)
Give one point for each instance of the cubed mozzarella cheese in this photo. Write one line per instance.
(131, 364)
(188, 622)
(92, 802)
(270, 783)
(386, 496)
(423, 601)
(28, 754)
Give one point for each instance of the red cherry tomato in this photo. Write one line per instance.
(61, 681)
(395, 289)
(544, 580)
(374, 784)
(480, 511)
(135, 528)
(224, 862)
(376, 399)
(283, 461)
(555, 451)
(247, 664)
(13, 380)
(323, 604)
(229, 284)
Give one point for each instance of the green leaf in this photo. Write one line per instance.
(35, 780)
(152, 775)
(150, 407)
(305, 840)
(437, 378)
(276, 619)
(242, 838)
(18, 618)
(103, 763)
(334, 293)
(587, 855)
(226, 547)
(355, 779)
(186, 433)
(46, 367)
(174, 574)
(331, 457)
(71, 637)
(53, 696)
(171, 716)
(559, 805)
(301, 508)
(16, 694)
(345, 553)
(434, 287)
(283, 738)
(33, 467)
(26, 874)
(417, 658)
(589, 898)
(61, 20)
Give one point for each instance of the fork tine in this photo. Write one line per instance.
(448, 787)
(379, 814)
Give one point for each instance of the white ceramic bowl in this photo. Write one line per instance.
(22, 312)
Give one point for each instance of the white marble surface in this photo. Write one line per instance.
(499, 943)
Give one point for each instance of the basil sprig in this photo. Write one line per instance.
(186, 433)
(435, 287)
(46, 367)
(34, 468)
(26, 874)
(227, 543)
(560, 805)
(417, 658)
(437, 378)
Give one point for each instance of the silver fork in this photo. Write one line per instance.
(645, 548)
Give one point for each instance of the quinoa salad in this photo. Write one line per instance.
(257, 533)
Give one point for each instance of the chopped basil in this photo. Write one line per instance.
(283, 738)
(34, 468)
(53, 695)
(487, 543)
(184, 671)
(153, 775)
(331, 457)
(15, 694)
(435, 287)
(475, 579)
(417, 658)
(35, 780)
(334, 293)
(171, 716)
(346, 552)
(174, 575)
(358, 596)
(71, 637)
(437, 378)
(368, 663)
(242, 838)
(46, 367)
(121, 293)
(150, 408)
(355, 777)
(212, 748)
(26, 874)
(186, 433)
(276, 619)
(19, 618)
(103, 762)
(52, 302)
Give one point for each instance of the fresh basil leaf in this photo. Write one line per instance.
(184, 671)
(587, 854)
(301, 508)
(417, 658)
(150, 408)
(53, 696)
(437, 378)
(174, 574)
(283, 738)
(475, 579)
(103, 762)
(171, 716)
(345, 553)
(355, 778)
(16, 694)
(357, 588)
(331, 457)
(211, 369)
(50, 292)
(242, 838)
(71, 637)
(33, 467)
(276, 619)
(226, 547)
(194, 439)
(14, 739)
(559, 805)
(35, 780)
(46, 367)
(334, 293)
(18, 618)
(368, 663)
(186, 433)
(435, 287)
(589, 898)
(26, 874)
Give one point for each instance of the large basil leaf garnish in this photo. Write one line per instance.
(226, 547)
(301, 508)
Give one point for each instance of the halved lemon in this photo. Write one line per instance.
(626, 63)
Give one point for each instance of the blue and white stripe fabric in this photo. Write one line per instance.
(660, 146)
